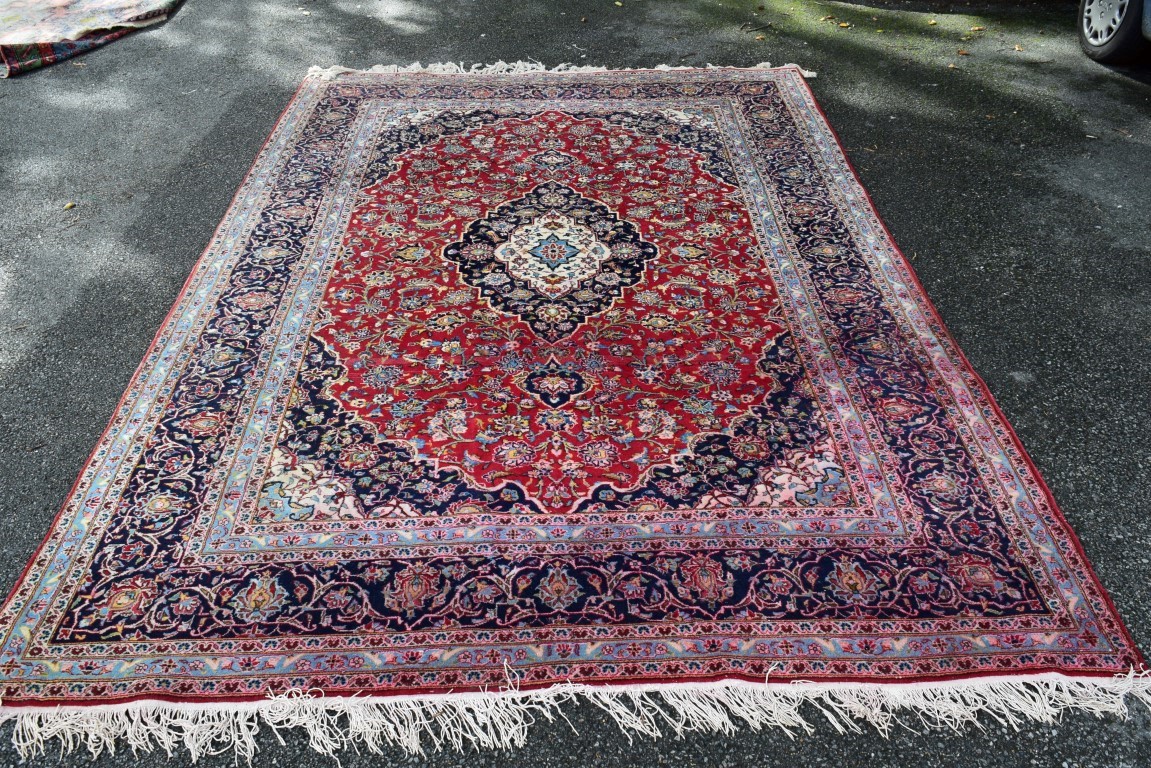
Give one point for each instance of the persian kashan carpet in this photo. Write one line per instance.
(496, 390)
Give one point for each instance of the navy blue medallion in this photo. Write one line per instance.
(553, 258)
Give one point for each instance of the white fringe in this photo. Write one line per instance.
(502, 719)
(508, 68)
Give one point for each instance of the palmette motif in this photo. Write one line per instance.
(609, 378)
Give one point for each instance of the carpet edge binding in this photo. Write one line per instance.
(502, 719)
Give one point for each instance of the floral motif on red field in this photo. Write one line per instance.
(465, 337)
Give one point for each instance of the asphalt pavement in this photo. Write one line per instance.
(1013, 171)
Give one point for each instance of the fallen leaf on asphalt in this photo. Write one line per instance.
(583, 19)
(617, 2)
(827, 18)
(952, 66)
(978, 29)
(1019, 47)
(761, 37)
(69, 206)
(1088, 135)
(962, 52)
(932, 23)
(844, 25)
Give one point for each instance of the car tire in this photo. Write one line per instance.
(1110, 43)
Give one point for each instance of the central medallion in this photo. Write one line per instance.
(553, 254)
(552, 257)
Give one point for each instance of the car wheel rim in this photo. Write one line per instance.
(1101, 19)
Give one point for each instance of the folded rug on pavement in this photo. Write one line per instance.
(34, 33)
(502, 388)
